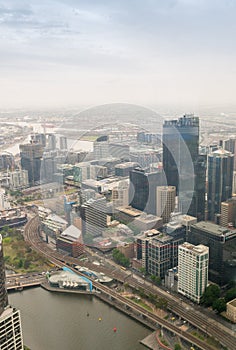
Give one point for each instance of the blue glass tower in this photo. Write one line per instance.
(220, 180)
(183, 166)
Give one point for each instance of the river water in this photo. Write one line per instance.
(54, 321)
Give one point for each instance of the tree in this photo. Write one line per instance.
(230, 295)
(219, 305)
(120, 258)
(156, 279)
(232, 284)
(143, 270)
(211, 294)
(177, 346)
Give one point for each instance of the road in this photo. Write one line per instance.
(19, 281)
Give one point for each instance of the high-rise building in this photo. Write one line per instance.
(39, 138)
(220, 180)
(7, 161)
(192, 270)
(165, 202)
(18, 179)
(10, 323)
(63, 143)
(51, 142)
(222, 246)
(94, 217)
(234, 182)
(123, 169)
(181, 163)
(157, 251)
(180, 146)
(143, 185)
(31, 155)
(120, 194)
(144, 158)
(228, 213)
(101, 148)
(48, 166)
(230, 146)
(119, 150)
(148, 138)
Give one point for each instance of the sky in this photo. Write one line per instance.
(59, 53)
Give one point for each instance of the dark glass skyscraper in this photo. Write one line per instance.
(220, 180)
(31, 155)
(142, 195)
(183, 166)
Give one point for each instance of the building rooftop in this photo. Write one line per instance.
(56, 218)
(125, 165)
(66, 276)
(156, 235)
(130, 211)
(213, 228)
(72, 233)
(148, 217)
(221, 153)
(232, 302)
(200, 248)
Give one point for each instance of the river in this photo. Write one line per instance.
(52, 321)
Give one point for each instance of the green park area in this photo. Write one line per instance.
(90, 138)
(19, 256)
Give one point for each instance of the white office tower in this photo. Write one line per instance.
(193, 270)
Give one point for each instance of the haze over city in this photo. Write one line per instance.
(67, 53)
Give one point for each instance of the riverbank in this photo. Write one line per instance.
(59, 321)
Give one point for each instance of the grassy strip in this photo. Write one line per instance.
(140, 302)
(20, 257)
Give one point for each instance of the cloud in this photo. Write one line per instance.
(120, 47)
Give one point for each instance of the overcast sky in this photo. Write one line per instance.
(72, 52)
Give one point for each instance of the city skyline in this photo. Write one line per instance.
(118, 173)
(63, 53)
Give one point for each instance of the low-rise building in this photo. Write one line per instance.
(147, 222)
(138, 218)
(66, 279)
(71, 241)
(231, 310)
(51, 227)
(127, 249)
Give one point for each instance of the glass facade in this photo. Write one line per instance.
(183, 166)
(222, 248)
(220, 181)
(142, 194)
